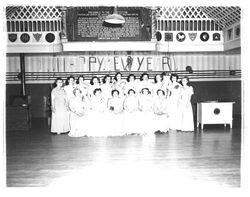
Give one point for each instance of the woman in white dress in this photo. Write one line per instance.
(97, 121)
(82, 85)
(115, 115)
(119, 84)
(174, 103)
(166, 82)
(59, 106)
(70, 86)
(187, 121)
(132, 84)
(115, 104)
(146, 112)
(77, 113)
(131, 124)
(145, 82)
(161, 111)
(158, 84)
(107, 87)
(94, 84)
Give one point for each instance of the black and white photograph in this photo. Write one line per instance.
(116, 99)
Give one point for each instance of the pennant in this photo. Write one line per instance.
(216, 37)
(12, 37)
(25, 37)
(168, 36)
(192, 36)
(37, 36)
(204, 36)
(50, 37)
(180, 37)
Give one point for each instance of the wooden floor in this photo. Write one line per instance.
(37, 158)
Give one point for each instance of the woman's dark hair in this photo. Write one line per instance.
(113, 91)
(80, 76)
(97, 89)
(95, 77)
(68, 78)
(145, 89)
(160, 90)
(156, 77)
(105, 78)
(174, 75)
(185, 77)
(118, 73)
(165, 74)
(76, 89)
(130, 75)
(131, 90)
(56, 80)
(144, 74)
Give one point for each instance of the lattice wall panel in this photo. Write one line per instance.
(183, 12)
(33, 12)
(223, 16)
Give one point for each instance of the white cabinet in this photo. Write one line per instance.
(215, 113)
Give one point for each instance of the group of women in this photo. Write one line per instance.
(116, 107)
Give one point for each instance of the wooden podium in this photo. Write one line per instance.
(214, 112)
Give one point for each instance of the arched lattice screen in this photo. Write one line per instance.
(33, 12)
(224, 16)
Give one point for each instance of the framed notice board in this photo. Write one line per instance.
(88, 24)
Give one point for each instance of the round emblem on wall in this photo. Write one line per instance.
(50, 37)
(25, 38)
(204, 36)
(180, 37)
(216, 111)
(158, 36)
(12, 37)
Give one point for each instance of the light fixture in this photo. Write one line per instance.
(115, 18)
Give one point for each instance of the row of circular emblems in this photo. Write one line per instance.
(204, 36)
(25, 38)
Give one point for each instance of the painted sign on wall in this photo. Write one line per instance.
(88, 24)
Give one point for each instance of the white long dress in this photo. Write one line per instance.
(59, 122)
(161, 111)
(77, 117)
(174, 106)
(114, 117)
(131, 116)
(187, 122)
(96, 117)
(69, 92)
(146, 114)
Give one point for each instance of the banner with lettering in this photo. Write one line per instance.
(116, 63)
